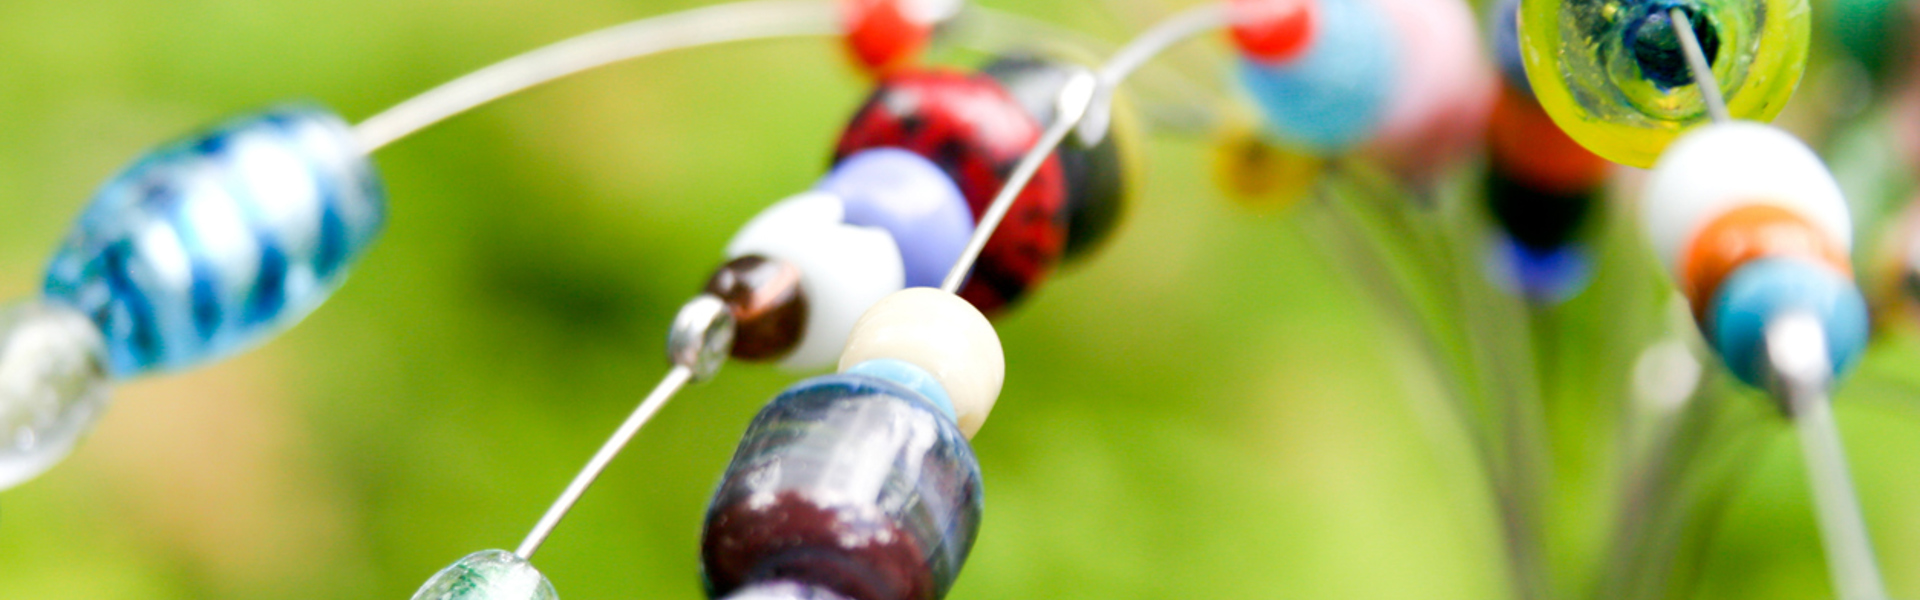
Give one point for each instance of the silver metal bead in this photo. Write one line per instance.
(702, 335)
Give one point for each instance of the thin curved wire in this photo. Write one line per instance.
(1150, 43)
(739, 21)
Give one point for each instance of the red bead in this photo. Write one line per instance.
(884, 34)
(1526, 145)
(976, 132)
(1273, 31)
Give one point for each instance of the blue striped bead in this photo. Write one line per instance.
(210, 244)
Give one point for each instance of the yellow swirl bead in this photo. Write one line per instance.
(1611, 73)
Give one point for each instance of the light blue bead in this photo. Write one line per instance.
(1335, 94)
(911, 376)
(911, 198)
(1766, 288)
(211, 244)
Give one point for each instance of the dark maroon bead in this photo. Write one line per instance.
(849, 483)
(976, 132)
(769, 308)
(1096, 176)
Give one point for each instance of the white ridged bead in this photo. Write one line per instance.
(844, 269)
(943, 334)
(1720, 167)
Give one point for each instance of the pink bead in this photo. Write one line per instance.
(1446, 87)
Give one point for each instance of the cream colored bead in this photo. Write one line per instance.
(943, 334)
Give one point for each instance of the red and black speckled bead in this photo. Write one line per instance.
(1097, 176)
(975, 131)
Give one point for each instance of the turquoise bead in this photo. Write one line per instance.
(211, 244)
(1765, 288)
(911, 376)
(1333, 96)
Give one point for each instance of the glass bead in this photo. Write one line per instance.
(783, 590)
(1746, 234)
(847, 482)
(769, 306)
(910, 375)
(884, 35)
(1443, 90)
(1098, 178)
(1261, 174)
(1542, 275)
(211, 244)
(1537, 218)
(1763, 289)
(977, 133)
(1504, 24)
(1272, 30)
(488, 575)
(1611, 72)
(1720, 167)
(844, 269)
(943, 334)
(53, 386)
(1526, 147)
(1334, 95)
(911, 198)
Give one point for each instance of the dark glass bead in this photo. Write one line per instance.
(1656, 44)
(1097, 177)
(769, 307)
(976, 132)
(850, 483)
(1537, 218)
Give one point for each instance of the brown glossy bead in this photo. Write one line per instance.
(769, 308)
(1747, 233)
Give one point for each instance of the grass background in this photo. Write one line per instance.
(1216, 405)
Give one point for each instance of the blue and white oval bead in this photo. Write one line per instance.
(208, 245)
(1765, 289)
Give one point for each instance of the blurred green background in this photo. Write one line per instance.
(1222, 403)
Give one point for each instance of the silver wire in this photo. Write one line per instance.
(1074, 99)
(751, 19)
(1150, 43)
(674, 380)
(1697, 62)
(1797, 352)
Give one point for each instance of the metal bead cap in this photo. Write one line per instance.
(702, 335)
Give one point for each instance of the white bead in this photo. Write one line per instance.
(1718, 168)
(843, 268)
(943, 334)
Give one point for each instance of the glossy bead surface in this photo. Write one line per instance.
(1335, 94)
(209, 245)
(53, 386)
(1261, 174)
(488, 575)
(1722, 167)
(1611, 72)
(1764, 289)
(1098, 178)
(909, 375)
(1526, 147)
(783, 590)
(977, 133)
(843, 268)
(1443, 90)
(886, 34)
(768, 304)
(913, 200)
(847, 482)
(943, 334)
(1745, 234)
(1272, 31)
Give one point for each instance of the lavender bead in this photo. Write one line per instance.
(211, 244)
(911, 198)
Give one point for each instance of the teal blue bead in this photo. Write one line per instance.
(211, 244)
(911, 376)
(1766, 288)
